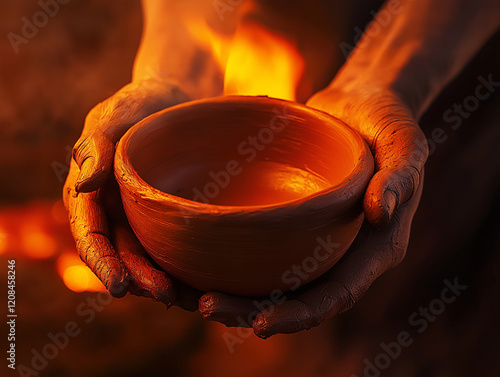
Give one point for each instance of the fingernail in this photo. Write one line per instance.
(205, 299)
(206, 305)
(118, 289)
(78, 186)
(118, 285)
(390, 200)
(260, 325)
(81, 181)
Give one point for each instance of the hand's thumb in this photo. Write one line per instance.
(94, 155)
(388, 189)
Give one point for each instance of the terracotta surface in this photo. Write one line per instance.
(230, 193)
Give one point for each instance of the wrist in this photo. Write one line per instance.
(376, 86)
(404, 77)
(419, 52)
(182, 74)
(169, 51)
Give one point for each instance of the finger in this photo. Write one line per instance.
(94, 156)
(69, 185)
(400, 153)
(334, 293)
(152, 282)
(146, 279)
(340, 288)
(227, 309)
(302, 310)
(108, 121)
(90, 230)
(143, 278)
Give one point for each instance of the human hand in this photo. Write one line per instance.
(390, 202)
(103, 237)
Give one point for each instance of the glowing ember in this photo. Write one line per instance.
(255, 61)
(76, 275)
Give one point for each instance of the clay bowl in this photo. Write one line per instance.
(230, 193)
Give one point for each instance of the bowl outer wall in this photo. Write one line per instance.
(244, 250)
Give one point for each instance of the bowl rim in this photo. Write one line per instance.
(339, 197)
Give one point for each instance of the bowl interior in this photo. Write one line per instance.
(243, 151)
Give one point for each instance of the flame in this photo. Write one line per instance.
(262, 64)
(76, 275)
(255, 61)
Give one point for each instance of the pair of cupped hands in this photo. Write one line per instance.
(108, 246)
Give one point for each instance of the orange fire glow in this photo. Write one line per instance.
(255, 61)
(3, 241)
(76, 275)
(37, 243)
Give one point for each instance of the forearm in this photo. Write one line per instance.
(169, 51)
(425, 44)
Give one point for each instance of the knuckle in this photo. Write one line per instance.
(82, 150)
(411, 181)
(307, 316)
(93, 116)
(349, 294)
(120, 108)
(349, 298)
(403, 182)
(340, 298)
